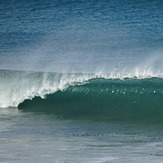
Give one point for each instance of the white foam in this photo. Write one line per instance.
(16, 86)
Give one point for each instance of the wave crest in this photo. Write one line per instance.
(17, 86)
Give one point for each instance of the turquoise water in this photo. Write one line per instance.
(81, 81)
(104, 99)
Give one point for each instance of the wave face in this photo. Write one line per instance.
(106, 99)
(90, 96)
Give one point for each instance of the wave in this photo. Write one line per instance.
(92, 96)
(105, 99)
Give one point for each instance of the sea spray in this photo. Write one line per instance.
(17, 86)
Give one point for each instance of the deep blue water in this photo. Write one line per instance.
(85, 35)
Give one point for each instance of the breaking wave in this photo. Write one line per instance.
(97, 96)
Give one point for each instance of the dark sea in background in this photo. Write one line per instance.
(81, 81)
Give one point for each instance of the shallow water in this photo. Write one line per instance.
(34, 137)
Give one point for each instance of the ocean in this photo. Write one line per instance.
(81, 81)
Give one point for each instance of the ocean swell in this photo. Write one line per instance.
(104, 99)
(80, 95)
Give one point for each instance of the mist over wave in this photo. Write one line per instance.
(17, 86)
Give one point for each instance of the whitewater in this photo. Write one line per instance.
(27, 85)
